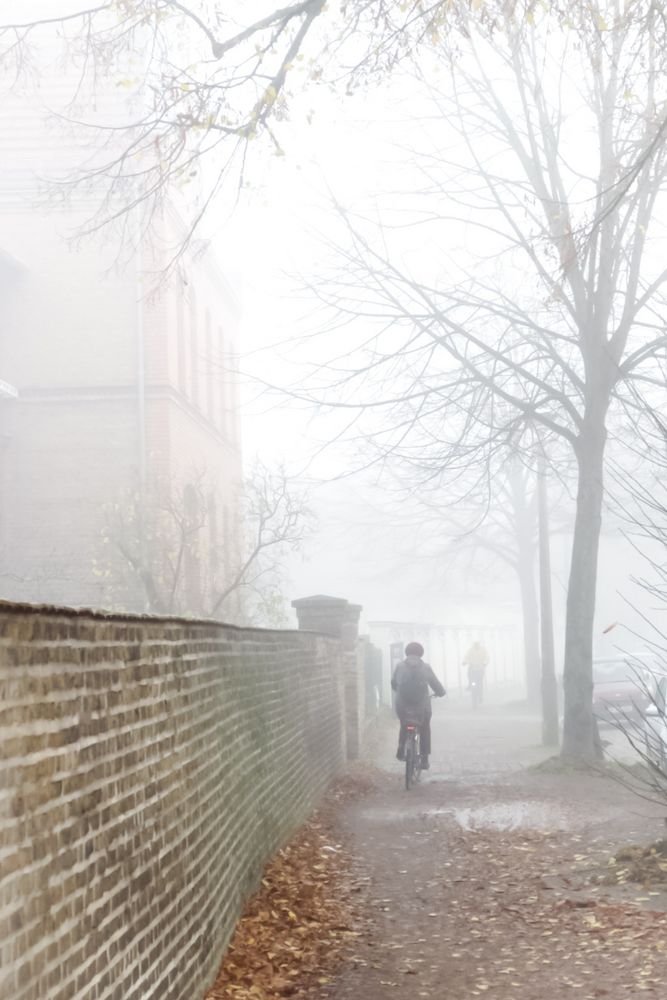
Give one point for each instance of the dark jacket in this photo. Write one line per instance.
(405, 672)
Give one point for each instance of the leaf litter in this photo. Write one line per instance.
(305, 916)
(513, 915)
(644, 865)
(543, 929)
(509, 914)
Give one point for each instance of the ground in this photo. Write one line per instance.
(494, 877)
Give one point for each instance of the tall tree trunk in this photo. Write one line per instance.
(549, 686)
(530, 615)
(580, 731)
(524, 529)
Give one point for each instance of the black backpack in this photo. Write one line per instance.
(413, 686)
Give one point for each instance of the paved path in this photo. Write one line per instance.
(481, 880)
(484, 743)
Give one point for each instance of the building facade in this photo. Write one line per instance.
(120, 454)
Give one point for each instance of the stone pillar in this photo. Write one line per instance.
(336, 616)
(372, 659)
(321, 614)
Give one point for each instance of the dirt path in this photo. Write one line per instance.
(486, 879)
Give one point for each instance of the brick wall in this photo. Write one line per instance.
(149, 768)
(336, 616)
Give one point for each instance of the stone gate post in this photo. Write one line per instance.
(336, 616)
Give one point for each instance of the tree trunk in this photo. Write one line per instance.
(530, 615)
(524, 530)
(580, 731)
(549, 686)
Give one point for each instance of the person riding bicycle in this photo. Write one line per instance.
(411, 680)
(476, 660)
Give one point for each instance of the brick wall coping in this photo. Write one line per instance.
(97, 614)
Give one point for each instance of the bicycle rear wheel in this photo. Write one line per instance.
(417, 770)
(409, 763)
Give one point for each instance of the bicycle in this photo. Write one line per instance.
(413, 759)
(413, 756)
(476, 693)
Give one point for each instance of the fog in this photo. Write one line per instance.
(325, 362)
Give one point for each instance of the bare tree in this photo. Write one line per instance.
(645, 729)
(174, 550)
(520, 511)
(641, 500)
(208, 80)
(505, 534)
(557, 348)
(276, 519)
(563, 318)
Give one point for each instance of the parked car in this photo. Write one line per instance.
(655, 725)
(619, 689)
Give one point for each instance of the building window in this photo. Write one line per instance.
(192, 524)
(194, 350)
(232, 396)
(210, 401)
(220, 374)
(181, 337)
(213, 540)
(227, 544)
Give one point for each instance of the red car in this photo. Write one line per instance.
(619, 689)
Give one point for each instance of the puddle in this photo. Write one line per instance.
(520, 815)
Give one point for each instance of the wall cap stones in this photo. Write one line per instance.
(98, 614)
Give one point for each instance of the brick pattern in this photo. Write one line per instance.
(149, 769)
(336, 616)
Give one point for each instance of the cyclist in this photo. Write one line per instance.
(476, 660)
(411, 681)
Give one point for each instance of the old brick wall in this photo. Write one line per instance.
(149, 768)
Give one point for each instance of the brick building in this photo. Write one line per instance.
(120, 460)
(126, 411)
